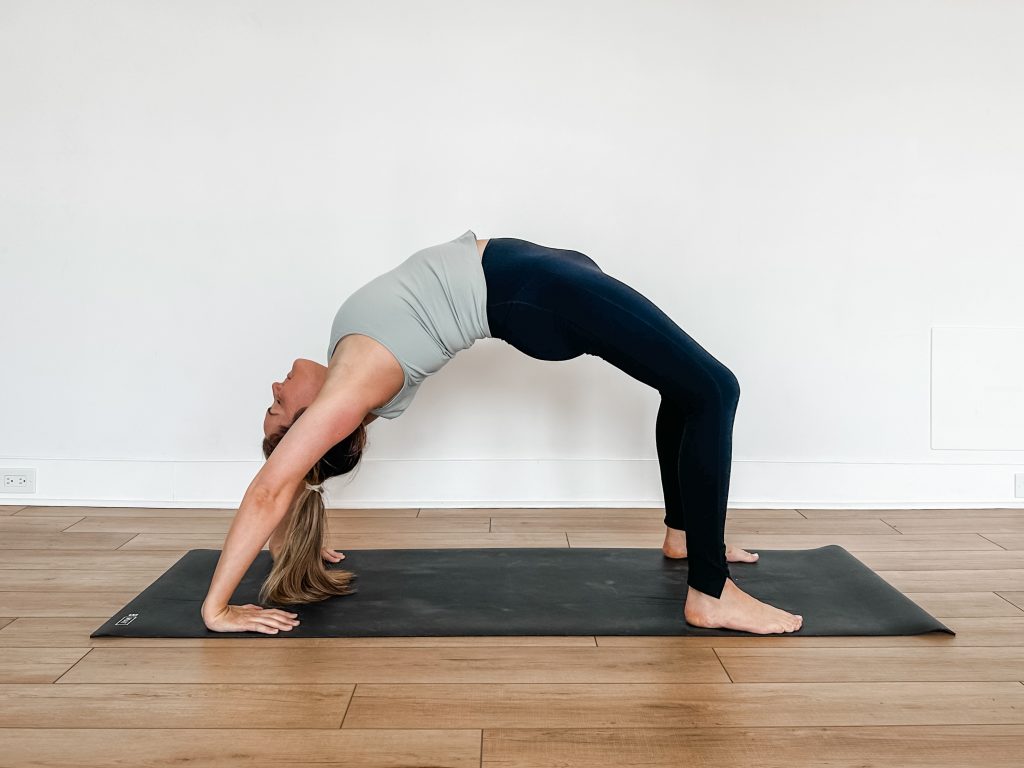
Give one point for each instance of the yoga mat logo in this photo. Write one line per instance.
(126, 619)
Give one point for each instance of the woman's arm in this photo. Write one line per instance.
(335, 413)
(277, 537)
(257, 517)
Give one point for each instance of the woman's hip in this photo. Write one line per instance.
(520, 274)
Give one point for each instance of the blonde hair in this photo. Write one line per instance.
(299, 574)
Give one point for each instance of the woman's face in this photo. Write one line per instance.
(296, 390)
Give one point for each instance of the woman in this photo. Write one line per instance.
(388, 336)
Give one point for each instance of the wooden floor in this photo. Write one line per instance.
(512, 702)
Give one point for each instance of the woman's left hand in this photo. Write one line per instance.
(331, 555)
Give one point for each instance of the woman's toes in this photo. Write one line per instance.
(737, 555)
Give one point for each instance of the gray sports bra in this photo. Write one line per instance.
(425, 310)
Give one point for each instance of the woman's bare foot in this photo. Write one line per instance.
(735, 609)
(675, 547)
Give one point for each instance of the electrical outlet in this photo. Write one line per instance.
(1018, 486)
(19, 481)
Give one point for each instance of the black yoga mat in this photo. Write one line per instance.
(534, 591)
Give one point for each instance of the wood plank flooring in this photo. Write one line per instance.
(510, 702)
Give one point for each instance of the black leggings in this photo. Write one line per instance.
(556, 304)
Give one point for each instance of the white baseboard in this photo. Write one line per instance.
(525, 483)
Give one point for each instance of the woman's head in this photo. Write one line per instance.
(296, 391)
(299, 574)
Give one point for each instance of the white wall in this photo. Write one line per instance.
(188, 190)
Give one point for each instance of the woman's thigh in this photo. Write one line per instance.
(610, 319)
(555, 304)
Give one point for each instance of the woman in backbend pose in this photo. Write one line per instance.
(404, 325)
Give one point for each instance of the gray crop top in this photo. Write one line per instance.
(425, 310)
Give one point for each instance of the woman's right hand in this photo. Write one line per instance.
(250, 618)
(327, 553)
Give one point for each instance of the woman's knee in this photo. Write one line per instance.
(718, 390)
(730, 385)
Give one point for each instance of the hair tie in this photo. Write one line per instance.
(319, 487)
